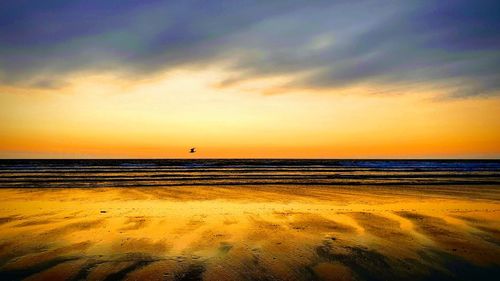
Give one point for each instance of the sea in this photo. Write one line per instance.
(211, 172)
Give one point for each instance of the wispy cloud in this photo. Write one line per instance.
(323, 44)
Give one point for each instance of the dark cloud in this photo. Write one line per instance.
(326, 44)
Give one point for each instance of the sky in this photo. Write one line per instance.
(249, 79)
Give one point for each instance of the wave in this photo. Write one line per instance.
(125, 173)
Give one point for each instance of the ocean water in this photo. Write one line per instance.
(255, 219)
(207, 172)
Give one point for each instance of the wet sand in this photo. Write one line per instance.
(251, 233)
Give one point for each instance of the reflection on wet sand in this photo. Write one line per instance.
(251, 233)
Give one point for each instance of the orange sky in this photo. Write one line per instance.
(101, 115)
(244, 79)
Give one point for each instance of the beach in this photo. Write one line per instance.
(249, 140)
(251, 232)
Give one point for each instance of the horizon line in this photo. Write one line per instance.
(262, 158)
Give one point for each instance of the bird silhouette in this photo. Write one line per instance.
(192, 150)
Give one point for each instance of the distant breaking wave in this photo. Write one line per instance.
(157, 173)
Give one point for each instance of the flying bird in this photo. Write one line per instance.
(192, 150)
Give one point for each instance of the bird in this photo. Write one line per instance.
(192, 150)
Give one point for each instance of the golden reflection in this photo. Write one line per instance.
(230, 233)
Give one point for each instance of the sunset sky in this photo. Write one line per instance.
(273, 79)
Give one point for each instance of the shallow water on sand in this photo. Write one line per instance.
(251, 232)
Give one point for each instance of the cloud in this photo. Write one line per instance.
(323, 44)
